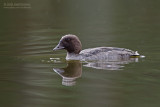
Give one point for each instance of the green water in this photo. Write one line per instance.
(28, 35)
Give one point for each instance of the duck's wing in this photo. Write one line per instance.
(109, 50)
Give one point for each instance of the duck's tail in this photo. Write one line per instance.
(137, 55)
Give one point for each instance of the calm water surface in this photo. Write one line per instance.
(32, 75)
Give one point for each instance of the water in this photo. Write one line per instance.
(28, 75)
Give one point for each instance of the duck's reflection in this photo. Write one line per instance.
(111, 65)
(70, 73)
(74, 69)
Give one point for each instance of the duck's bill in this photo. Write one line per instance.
(58, 47)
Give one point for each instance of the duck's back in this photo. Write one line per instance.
(107, 53)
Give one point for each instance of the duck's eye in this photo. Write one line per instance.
(68, 39)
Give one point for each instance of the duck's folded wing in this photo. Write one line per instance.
(109, 51)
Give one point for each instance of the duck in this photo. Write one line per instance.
(73, 46)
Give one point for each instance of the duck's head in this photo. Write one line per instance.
(71, 43)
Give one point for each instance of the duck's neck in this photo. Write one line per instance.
(73, 56)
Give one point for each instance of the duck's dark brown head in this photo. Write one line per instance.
(71, 43)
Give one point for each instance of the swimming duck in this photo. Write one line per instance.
(72, 44)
